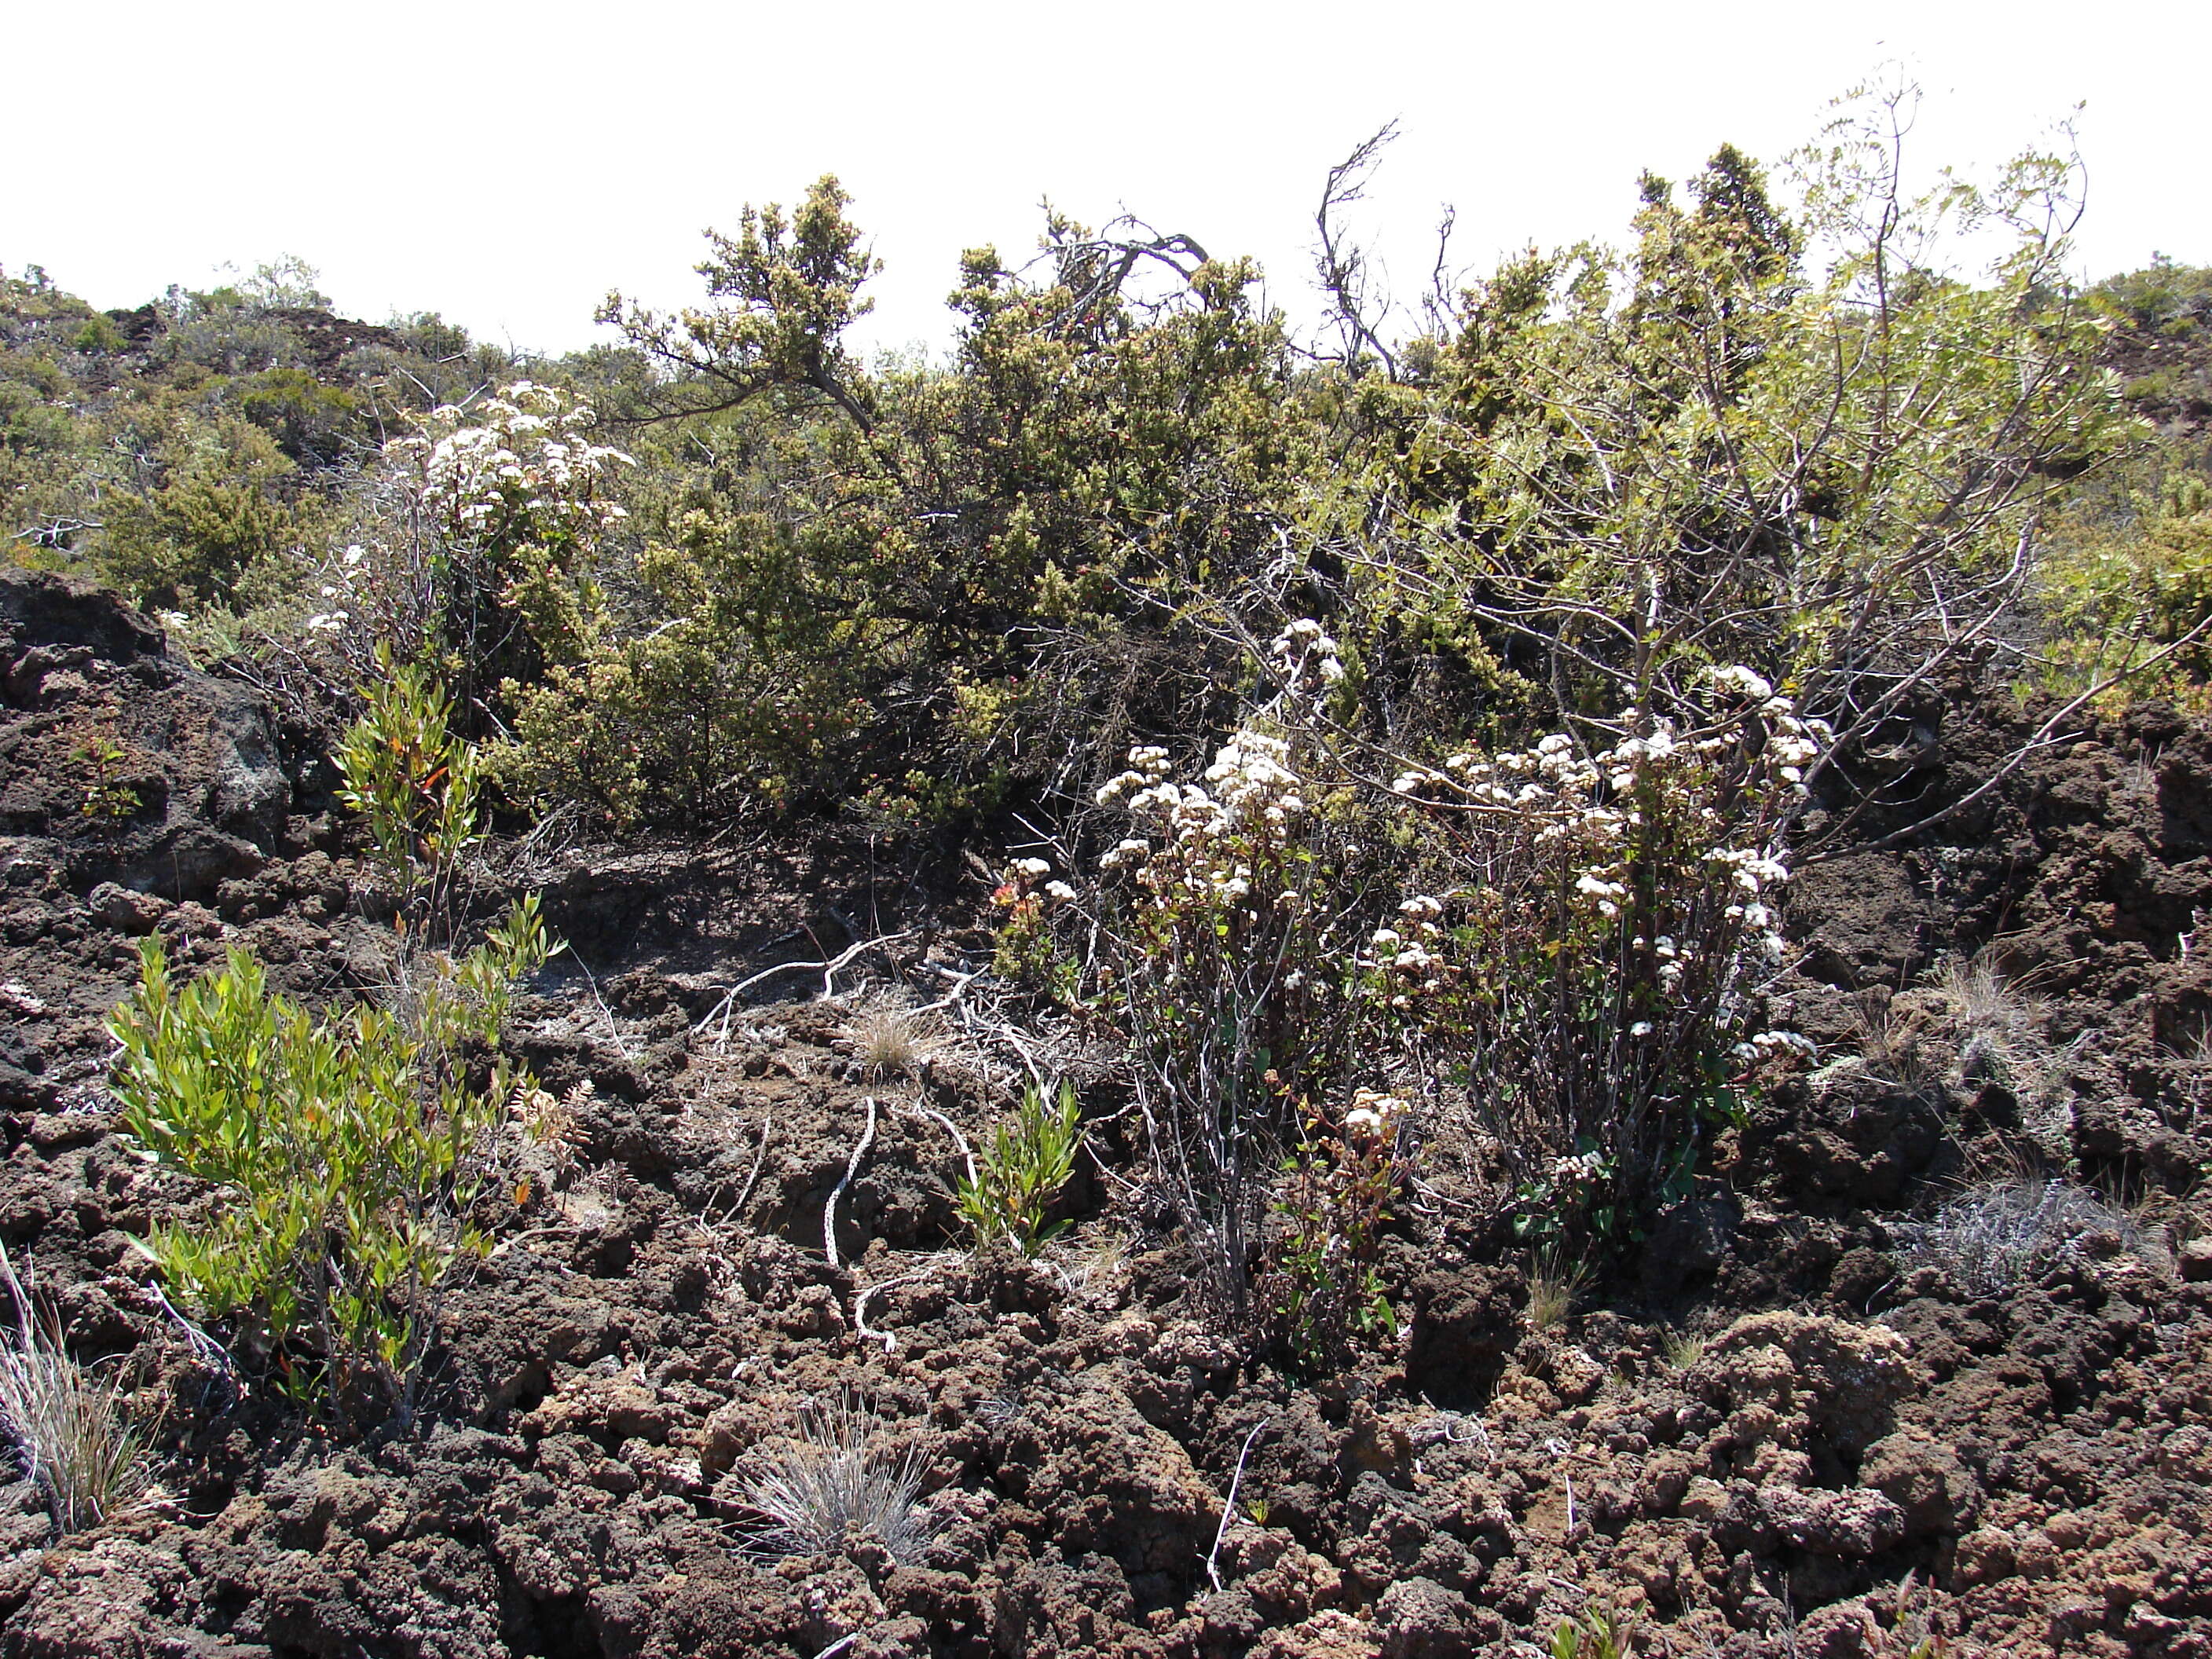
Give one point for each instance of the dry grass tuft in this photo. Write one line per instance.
(1682, 1350)
(830, 1485)
(70, 1432)
(889, 1041)
(1966, 1026)
(1555, 1279)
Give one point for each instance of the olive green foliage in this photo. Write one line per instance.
(337, 1143)
(1790, 440)
(201, 452)
(1020, 1171)
(337, 1178)
(222, 517)
(918, 586)
(2125, 584)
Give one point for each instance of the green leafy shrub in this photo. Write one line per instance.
(222, 514)
(419, 784)
(339, 1174)
(1020, 1171)
(338, 1144)
(2126, 587)
(315, 424)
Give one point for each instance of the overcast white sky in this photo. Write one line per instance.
(506, 163)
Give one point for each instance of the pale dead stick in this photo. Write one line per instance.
(828, 970)
(1229, 1509)
(852, 1167)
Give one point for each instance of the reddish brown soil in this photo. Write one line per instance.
(1864, 1450)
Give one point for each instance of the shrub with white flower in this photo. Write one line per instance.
(1322, 1285)
(1579, 966)
(1306, 660)
(1589, 978)
(1023, 949)
(1221, 955)
(518, 469)
(476, 533)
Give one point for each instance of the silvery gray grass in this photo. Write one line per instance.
(833, 1483)
(2000, 1235)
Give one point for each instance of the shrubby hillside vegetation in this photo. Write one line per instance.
(1475, 889)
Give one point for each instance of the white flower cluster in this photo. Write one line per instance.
(1412, 966)
(1795, 1044)
(1208, 835)
(1583, 1170)
(1306, 658)
(1373, 1114)
(1586, 807)
(1020, 878)
(520, 461)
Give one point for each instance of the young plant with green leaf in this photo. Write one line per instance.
(1020, 1171)
(337, 1142)
(418, 783)
(1323, 1284)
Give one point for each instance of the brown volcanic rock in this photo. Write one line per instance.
(1864, 1451)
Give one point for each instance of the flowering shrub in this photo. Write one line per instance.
(1324, 1287)
(475, 537)
(1022, 949)
(1218, 955)
(1579, 971)
(518, 470)
(1588, 980)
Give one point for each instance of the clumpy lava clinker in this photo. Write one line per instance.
(1789, 1428)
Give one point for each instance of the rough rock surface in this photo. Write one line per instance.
(1792, 1430)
